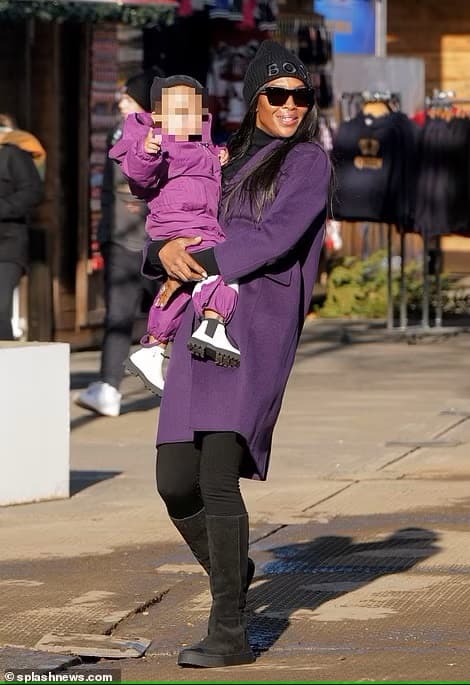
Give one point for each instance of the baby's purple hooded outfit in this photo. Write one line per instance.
(181, 185)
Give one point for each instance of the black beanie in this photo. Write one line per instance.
(138, 87)
(272, 61)
(160, 83)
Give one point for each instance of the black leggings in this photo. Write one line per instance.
(205, 473)
(124, 286)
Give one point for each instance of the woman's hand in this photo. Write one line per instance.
(178, 263)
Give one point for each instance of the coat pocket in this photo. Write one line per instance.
(282, 277)
(193, 199)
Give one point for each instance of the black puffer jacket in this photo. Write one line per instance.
(122, 214)
(20, 191)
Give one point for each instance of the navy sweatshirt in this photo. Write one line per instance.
(375, 161)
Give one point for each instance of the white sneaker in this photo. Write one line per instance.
(100, 397)
(147, 364)
(210, 340)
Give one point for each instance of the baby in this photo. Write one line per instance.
(171, 162)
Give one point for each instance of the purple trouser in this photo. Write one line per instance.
(212, 293)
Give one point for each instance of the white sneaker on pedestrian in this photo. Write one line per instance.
(210, 340)
(147, 364)
(100, 397)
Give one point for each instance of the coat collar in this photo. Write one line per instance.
(253, 161)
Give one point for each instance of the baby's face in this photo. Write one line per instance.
(181, 112)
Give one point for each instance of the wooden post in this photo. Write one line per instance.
(81, 274)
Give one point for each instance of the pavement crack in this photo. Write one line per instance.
(268, 534)
(439, 434)
(138, 610)
(333, 494)
(285, 525)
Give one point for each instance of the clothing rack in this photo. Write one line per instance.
(355, 100)
(445, 98)
(438, 99)
(442, 100)
(391, 99)
(351, 104)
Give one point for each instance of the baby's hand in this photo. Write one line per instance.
(152, 143)
(167, 291)
(223, 156)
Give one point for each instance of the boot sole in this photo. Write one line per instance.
(195, 658)
(135, 371)
(219, 356)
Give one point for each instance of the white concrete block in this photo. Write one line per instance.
(34, 422)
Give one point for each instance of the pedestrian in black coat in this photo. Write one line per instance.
(20, 192)
(122, 236)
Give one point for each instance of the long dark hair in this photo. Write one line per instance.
(259, 185)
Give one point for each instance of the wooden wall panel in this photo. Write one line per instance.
(437, 31)
(13, 61)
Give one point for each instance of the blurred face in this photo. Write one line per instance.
(180, 112)
(128, 105)
(280, 113)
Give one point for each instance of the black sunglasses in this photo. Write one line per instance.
(277, 97)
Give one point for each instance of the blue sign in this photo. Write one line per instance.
(353, 23)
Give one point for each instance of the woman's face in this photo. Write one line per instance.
(280, 121)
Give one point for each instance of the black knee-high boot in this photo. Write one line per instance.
(227, 642)
(193, 530)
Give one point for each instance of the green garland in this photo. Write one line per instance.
(55, 10)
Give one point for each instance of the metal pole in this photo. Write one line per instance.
(425, 314)
(380, 28)
(438, 317)
(389, 280)
(403, 293)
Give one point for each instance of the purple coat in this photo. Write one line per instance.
(181, 185)
(276, 262)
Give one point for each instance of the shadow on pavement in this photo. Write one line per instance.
(80, 480)
(81, 379)
(127, 407)
(303, 576)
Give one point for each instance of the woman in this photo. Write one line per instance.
(20, 192)
(216, 423)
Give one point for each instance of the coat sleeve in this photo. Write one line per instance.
(27, 186)
(301, 198)
(139, 167)
(107, 197)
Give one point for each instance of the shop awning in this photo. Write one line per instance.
(135, 12)
(98, 2)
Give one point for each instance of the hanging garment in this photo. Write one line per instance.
(248, 11)
(185, 8)
(325, 90)
(226, 9)
(307, 44)
(266, 15)
(443, 189)
(374, 158)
